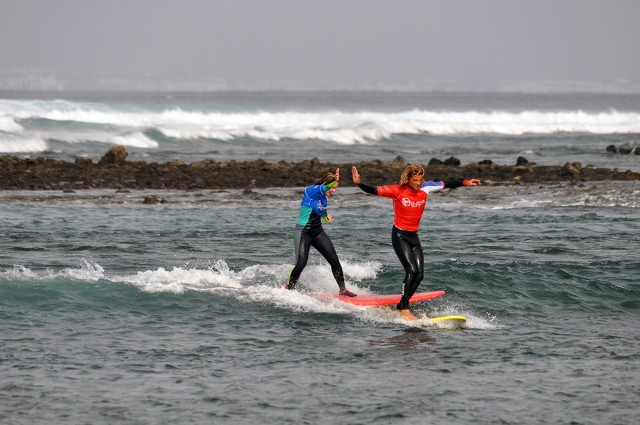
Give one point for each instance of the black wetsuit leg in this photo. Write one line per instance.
(302, 243)
(325, 247)
(320, 241)
(409, 251)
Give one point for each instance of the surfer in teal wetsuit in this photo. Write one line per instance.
(308, 231)
(409, 199)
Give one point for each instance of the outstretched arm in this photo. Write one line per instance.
(331, 188)
(452, 184)
(436, 186)
(358, 180)
(333, 183)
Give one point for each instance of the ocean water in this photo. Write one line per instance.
(116, 312)
(549, 129)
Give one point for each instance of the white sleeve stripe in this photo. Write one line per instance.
(429, 187)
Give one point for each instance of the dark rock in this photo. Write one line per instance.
(50, 174)
(152, 200)
(522, 161)
(117, 155)
(625, 149)
(83, 162)
(203, 164)
(452, 162)
(572, 170)
(486, 162)
(398, 162)
(523, 168)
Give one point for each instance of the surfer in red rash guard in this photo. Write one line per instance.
(409, 199)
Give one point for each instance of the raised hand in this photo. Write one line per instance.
(355, 175)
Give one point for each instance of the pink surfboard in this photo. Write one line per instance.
(379, 300)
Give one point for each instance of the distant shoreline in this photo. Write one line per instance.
(115, 172)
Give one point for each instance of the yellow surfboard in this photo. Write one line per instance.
(449, 322)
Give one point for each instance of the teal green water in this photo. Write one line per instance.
(115, 312)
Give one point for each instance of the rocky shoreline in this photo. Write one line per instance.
(113, 171)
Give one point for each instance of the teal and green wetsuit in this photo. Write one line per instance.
(308, 232)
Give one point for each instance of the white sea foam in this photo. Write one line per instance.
(9, 125)
(87, 271)
(259, 284)
(349, 128)
(424, 312)
(292, 300)
(22, 145)
(18, 272)
(337, 126)
(179, 279)
(361, 270)
(137, 140)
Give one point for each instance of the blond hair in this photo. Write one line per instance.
(410, 171)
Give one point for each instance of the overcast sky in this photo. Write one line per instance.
(329, 43)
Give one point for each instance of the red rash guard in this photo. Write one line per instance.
(408, 204)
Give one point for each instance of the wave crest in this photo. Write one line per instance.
(127, 124)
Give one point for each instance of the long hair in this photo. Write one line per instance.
(327, 178)
(410, 171)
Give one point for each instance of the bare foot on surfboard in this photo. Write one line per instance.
(407, 314)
